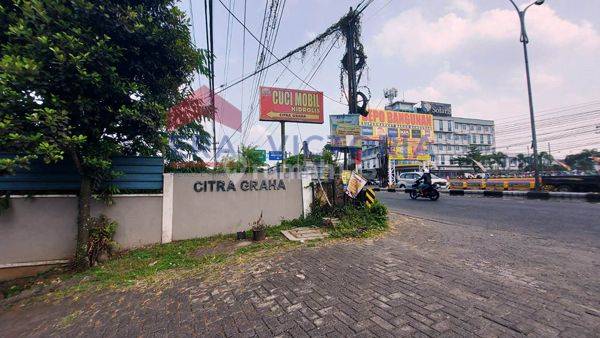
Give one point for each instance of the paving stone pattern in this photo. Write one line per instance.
(384, 287)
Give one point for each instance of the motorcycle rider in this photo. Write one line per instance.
(426, 179)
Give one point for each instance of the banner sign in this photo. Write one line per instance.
(345, 131)
(291, 105)
(408, 134)
(355, 185)
(346, 176)
(275, 155)
(436, 108)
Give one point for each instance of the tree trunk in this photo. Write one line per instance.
(84, 199)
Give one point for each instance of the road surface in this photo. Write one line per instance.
(569, 221)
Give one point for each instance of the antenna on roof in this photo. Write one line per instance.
(390, 94)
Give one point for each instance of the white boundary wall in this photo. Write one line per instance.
(40, 231)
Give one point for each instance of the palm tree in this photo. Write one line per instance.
(522, 161)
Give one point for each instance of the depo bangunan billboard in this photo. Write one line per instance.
(408, 134)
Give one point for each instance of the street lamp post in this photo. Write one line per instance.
(525, 41)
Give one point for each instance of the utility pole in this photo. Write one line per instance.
(211, 77)
(525, 40)
(351, 61)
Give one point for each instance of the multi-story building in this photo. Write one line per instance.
(453, 137)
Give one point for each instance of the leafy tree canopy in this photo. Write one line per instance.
(85, 80)
(88, 79)
(583, 160)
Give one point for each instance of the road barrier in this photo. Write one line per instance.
(370, 196)
(542, 195)
(493, 184)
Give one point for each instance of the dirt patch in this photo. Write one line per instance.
(226, 247)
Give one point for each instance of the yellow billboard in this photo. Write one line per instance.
(408, 134)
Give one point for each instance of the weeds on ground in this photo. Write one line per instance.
(360, 221)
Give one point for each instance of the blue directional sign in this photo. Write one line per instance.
(275, 155)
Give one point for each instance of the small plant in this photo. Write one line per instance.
(259, 224)
(100, 242)
(259, 229)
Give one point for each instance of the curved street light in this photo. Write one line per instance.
(525, 41)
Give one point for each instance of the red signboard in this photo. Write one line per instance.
(291, 105)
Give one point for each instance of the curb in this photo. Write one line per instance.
(592, 197)
(544, 195)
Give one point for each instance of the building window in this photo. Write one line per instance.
(481, 139)
(441, 125)
(487, 129)
(471, 127)
(464, 127)
(457, 148)
(449, 125)
(443, 158)
(439, 137)
(478, 128)
(489, 139)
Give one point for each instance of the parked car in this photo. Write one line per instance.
(580, 183)
(406, 180)
(374, 182)
(482, 175)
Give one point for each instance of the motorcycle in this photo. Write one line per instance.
(432, 193)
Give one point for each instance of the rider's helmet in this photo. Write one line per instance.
(426, 170)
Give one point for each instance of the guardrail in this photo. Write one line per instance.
(494, 184)
(543, 195)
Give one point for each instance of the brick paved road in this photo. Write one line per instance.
(423, 279)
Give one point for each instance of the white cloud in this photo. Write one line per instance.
(465, 6)
(444, 86)
(412, 36)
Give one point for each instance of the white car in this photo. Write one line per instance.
(406, 180)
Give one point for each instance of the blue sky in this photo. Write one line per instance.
(462, 52)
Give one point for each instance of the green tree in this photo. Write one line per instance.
(87, 80)
(523, 161)
(582, 160)
(495, 159)
(294, 160)
(251, 158)
(468, 160)
(326, 155)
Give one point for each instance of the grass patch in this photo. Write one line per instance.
(360, 221)
(69, 319)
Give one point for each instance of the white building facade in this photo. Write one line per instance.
(453, 138)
